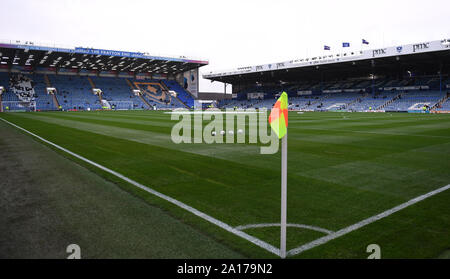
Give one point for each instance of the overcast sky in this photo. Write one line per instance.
(228, 33)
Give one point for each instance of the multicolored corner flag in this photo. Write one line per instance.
(278, 117)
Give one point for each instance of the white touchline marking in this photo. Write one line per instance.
(363, 223)
(236, 231)
(302, 226)
(196, 212)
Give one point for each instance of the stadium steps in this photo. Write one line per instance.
(358, 99)
(91, 82)
(438, 104)
(54, 98)
(187, 91)
(144, 101)
(153, 98)
(47, 81)
(103, 103)
(55, 101)
(183, 95)
(390, 101)
(130, 84)
(147, 94)
(164, 86)
(321, 99)
(133, 87)
(100, 97)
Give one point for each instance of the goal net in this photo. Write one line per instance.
(121, 105)
(18, 106)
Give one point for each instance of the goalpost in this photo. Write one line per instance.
(18, 106)
(2, 89)
(121, 105)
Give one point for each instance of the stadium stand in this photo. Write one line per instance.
(388, 94)
(47, 77)
(75, 92)
(407, 78)
(87, 80)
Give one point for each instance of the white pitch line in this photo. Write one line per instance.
(194, 211)
(363, 223)
(302, 226)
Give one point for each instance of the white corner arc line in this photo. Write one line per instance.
(363, 223)
(301, 226)
(194, 211)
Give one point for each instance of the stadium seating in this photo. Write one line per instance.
(338, 101)
(19, 92)
(372, 101)
(414, 100)
(182, 94)
(383, 93)
(44, 101)
(445, 106)
(75, 93)
(117, 92)
(157, 95)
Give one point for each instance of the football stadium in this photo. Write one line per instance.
(89, 160)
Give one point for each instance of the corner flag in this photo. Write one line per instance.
(278, 120)
(278, 117)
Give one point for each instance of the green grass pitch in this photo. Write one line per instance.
(342, 168)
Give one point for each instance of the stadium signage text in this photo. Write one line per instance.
(422, 46)
(377, 52)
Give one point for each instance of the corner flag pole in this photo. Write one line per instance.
(283, 196)
(278, 120)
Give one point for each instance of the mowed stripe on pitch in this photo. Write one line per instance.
(310, 149)
(252, 239)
